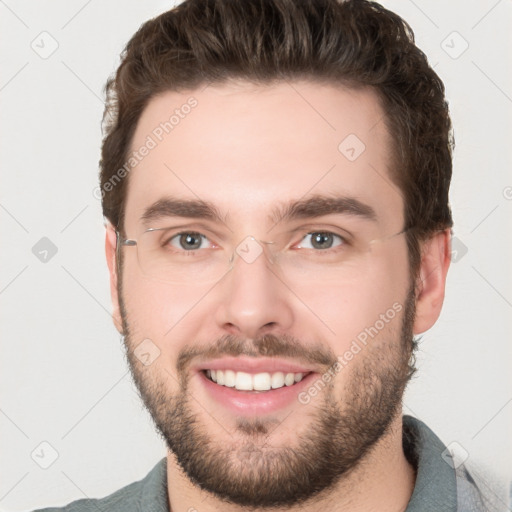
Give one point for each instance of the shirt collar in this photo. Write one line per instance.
(436, 486)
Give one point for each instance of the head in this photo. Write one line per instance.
(248, 109)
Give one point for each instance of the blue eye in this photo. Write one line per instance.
(323, 240)
(188, 241)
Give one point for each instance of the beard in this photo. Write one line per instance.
(250, 471)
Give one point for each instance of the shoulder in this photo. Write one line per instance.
(479, 490)
(148, 494)
(443, 480)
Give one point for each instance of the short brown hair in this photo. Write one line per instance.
(355, 42)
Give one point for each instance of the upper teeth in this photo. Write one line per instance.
(257, 382)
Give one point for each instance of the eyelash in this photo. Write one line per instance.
(343, 240)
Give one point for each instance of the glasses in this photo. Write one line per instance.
(187, 257)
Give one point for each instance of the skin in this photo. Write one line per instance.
(246, 148)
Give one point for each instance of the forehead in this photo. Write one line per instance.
(246, 149)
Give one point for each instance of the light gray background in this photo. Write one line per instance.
(63, 375)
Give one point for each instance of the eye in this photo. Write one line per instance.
(322, 240)
(188, 241)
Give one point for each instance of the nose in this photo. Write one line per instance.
(254, 300)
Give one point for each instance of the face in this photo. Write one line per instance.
(281, 274)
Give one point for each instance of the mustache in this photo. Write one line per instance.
(267, 345)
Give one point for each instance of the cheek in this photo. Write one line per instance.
(369, 301)
(159, 311)
(162, 321)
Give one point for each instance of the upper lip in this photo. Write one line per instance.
(253, 365)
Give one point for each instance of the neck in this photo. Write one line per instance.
(383, 481)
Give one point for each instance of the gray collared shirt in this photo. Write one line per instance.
(439, 486)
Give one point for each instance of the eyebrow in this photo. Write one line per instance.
(315, 206)
(187, 208)
(319, 205)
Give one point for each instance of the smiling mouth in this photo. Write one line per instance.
(257, 382)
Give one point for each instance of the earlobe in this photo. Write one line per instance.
(111, 255)
(430, 286)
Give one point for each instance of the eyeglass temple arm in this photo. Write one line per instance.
(124, 241)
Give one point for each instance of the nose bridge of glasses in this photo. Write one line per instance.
(251, 248)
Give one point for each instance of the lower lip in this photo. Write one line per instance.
(255, 402)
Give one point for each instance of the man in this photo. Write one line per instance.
(275, 180)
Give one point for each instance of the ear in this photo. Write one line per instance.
(430, 284)
(111, 254)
